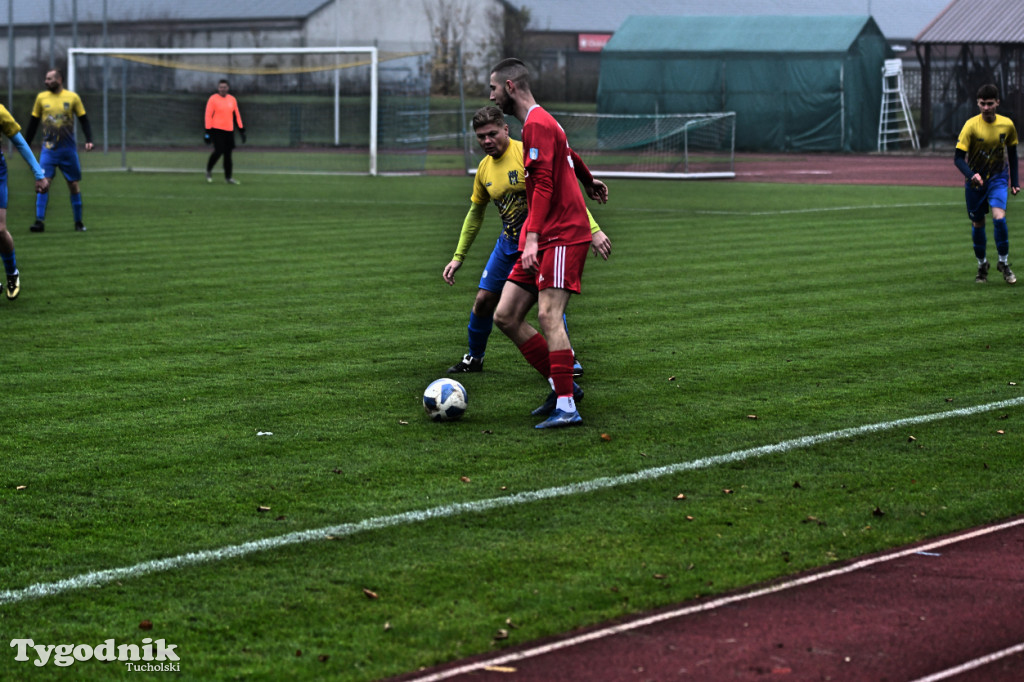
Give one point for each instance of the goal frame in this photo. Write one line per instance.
(372, 51)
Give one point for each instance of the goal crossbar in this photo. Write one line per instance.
(75, 52)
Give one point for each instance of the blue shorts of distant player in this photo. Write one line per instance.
(64, 158)
(991, 194)
(503, 257)
(3, 182)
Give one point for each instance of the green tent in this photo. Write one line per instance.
(796, 83)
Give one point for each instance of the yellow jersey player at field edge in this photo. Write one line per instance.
(55, 109)
(12, 130)
(986, 154)
(499, 178)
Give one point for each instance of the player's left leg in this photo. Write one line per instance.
(550, 308)
(977, 209)
(997, 195)
(76, 205)
(562, 268)
(229, 168)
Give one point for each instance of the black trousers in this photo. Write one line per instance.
(223, 143)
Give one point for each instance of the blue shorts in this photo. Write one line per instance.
(992, 193)
(3, 183)
(503, 257)
(64, 158)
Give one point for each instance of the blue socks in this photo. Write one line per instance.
(10, 265)
(76, 206)
(1002, 235)
(479, 331)
(41, 201)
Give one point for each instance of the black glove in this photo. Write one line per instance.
(242, 131)
(206, 138)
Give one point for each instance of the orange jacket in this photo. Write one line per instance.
(221, 112)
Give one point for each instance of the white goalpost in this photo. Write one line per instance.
(317, 102)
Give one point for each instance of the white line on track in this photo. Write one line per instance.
(732, 599)
(971, 665)
(105, 577)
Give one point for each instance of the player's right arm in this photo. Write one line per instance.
(470, 228)
(210, 109)
(34, 119)
(596, 190)
(963, 147)
(30, 132)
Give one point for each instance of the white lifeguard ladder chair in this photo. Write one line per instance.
(895, 123)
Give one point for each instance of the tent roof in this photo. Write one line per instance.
(978, 22)
(740, 34)
(897, 19)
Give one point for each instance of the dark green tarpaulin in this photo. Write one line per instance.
(796, 83)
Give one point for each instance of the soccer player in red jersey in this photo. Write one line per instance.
(554, 242)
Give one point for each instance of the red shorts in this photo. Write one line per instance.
(561, 267)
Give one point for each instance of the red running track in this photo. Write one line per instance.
(946, 609)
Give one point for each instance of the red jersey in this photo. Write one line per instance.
(557, 212)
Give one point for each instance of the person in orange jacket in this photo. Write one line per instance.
(221, 115)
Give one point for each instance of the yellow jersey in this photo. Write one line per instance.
(56, 112)
(501, 180)
(986, 143)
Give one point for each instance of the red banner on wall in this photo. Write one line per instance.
(592, 42)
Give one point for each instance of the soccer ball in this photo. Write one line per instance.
(445, 400)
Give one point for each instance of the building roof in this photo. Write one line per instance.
(977, 22)
(897, 19)
(763, 35)
(91, 11)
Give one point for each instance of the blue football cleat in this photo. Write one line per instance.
(560, 418)
(549, 403)
(577, 369)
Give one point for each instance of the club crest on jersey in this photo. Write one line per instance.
(534, 153)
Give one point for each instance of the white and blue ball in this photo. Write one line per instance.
(445, 400)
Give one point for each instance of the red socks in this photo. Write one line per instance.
(561, 372)
(535, 350)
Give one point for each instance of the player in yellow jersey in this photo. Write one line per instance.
(986, 154)
(10, 128)
(55, 109)
(499, 178)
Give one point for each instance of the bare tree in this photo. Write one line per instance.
(449, 22)
(510, 25)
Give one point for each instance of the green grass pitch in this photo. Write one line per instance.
(144, 358)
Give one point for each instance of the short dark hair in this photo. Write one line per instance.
(486, 115)
(224, 81)
(988, 91)
(514, 70)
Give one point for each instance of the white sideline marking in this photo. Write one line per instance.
(724, 601)
(105, 577)
(971, 665)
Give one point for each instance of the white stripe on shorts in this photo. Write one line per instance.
(559, 267)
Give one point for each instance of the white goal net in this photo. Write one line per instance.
(687, 146)
(306, 110)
